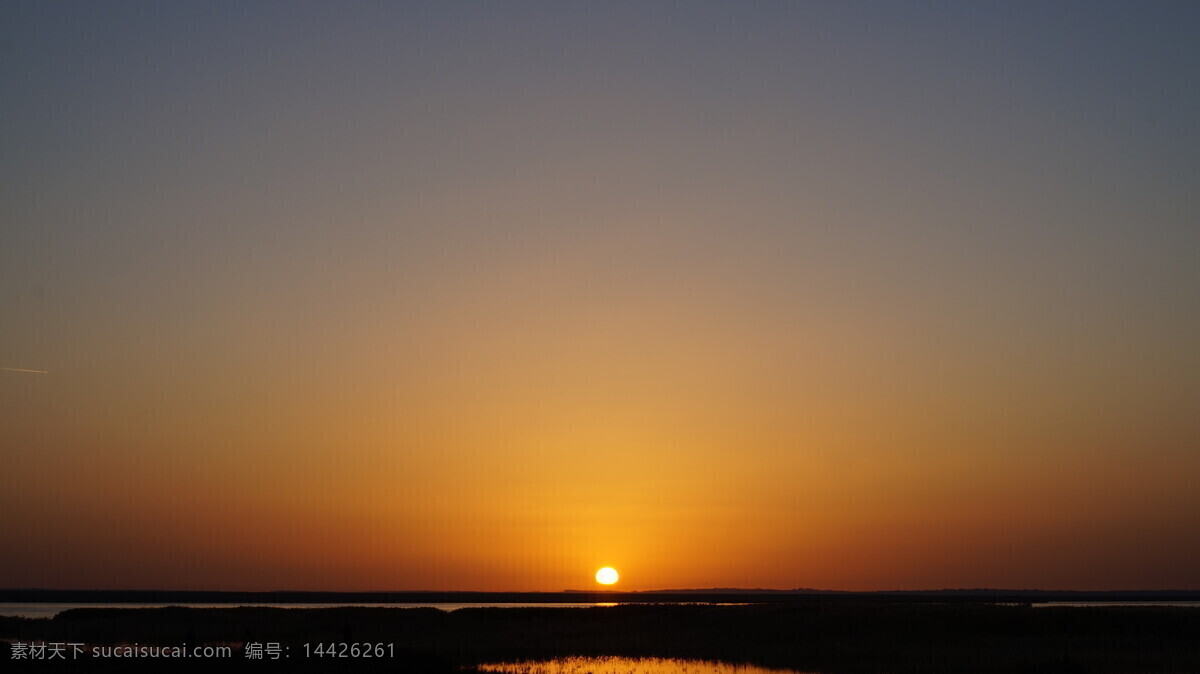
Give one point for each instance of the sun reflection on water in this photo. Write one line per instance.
(623, 665)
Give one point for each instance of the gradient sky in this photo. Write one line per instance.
(367, 296)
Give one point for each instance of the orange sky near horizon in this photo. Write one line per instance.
(422, 298)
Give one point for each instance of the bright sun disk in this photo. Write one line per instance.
(607, 576)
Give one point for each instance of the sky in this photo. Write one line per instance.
(485, 296)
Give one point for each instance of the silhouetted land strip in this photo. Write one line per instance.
(836, 637)
(733, 595)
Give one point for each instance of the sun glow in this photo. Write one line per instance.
(607, 576)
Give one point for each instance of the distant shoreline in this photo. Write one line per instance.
(664, 596)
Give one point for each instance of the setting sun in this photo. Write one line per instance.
(607, 576)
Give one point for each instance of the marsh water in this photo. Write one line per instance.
(621, 665)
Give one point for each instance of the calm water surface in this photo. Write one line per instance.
(619, 665)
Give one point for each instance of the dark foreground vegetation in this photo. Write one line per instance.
(830, 637)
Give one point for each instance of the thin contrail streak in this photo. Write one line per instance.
(18, 369)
